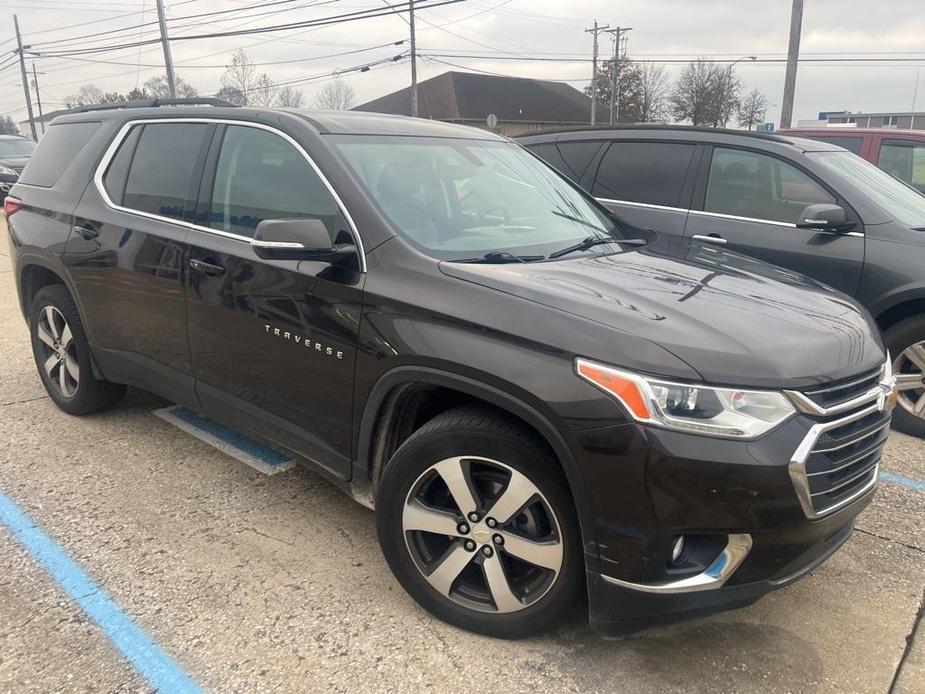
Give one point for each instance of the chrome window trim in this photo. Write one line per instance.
(714, 576)
(643, 204)
(128, 125)
(797, 467)
(719, 215)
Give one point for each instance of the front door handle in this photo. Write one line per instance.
(208, 269)
(86, 233)
(711, 238)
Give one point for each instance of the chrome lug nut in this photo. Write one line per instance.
(487, 551)
(474, 517)
(498, 540)
(463, 529)
(469, 545)
(491, 522)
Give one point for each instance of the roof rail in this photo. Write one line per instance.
(151, 103)
(654, 126)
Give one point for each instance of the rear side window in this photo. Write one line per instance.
(116, 175)
(259, 175)
(852, 144)
(571, 158)
(162, 170)
(649, 172)
(55, 152)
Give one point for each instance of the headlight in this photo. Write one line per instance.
(7, 170)
(730, 412)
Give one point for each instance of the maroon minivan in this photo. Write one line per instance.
(898, 152)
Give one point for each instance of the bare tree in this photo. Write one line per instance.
(336, 95)
(706, 94)
(653, 92)
(242, 80)
(87, 95)
(752, 109)
(231, 95)
(289, 98)
(8, 127)
(157, 88)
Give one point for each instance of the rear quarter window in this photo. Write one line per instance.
(55, 152)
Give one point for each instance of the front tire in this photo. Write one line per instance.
(476, 521)
(906, 342)
(62, 355)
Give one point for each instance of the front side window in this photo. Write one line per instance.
(259, 176)
(161, 173)
(649, 172)
(904, 159)
(750, 184)
(458, 199)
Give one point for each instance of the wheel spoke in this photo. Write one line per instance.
(50, 319)
(62, 381)
(66, 336)
(45, 336)
(50, 363)
(916, 354)
(518, 492)
(456, 477)
(548, 555)
(500, 588)
(452, 565)
(72, 368)
(418, 517)
(909, 381)
(919, 406)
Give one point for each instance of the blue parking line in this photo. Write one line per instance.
(893, 478)
(155, 666)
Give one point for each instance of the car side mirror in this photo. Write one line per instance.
(298, 239)
(825, 217)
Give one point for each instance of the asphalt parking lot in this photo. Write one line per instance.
(255, 583)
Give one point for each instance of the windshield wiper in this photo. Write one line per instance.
(502, 257)
(579, 220)
(591, 241)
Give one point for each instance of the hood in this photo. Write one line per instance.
(735, 320)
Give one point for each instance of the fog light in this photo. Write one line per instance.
(677, 548)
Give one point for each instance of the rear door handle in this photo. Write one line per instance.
(86, 233)
(711, 238)
(208, 269)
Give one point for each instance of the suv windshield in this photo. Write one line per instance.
(464, 199)
(905, 204)
(16, 148)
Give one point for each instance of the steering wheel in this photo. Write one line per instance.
(500, 207)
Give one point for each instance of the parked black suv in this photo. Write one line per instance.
(805, 205)
(14, 153)
(538, 399)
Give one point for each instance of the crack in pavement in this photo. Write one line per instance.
(890, 539)
(909, 640)
(20, 402)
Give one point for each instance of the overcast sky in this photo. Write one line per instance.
(888, 30)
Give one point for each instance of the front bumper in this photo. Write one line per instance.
(6, 184)
(739, 499)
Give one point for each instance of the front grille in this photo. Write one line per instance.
(839, 458)
(839, 393)
(843, 462)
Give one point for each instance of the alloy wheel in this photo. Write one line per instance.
(58, 351)
(482, 534)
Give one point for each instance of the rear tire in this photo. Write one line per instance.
(906, 342)
(508, 577)
(62, 355)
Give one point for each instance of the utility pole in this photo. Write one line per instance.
(793, 55)
(168, 59)
(414, 62)
(594, 31)
(618, 54)
(25, 79)
(38, 96)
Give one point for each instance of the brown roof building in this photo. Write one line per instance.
(520, 104)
